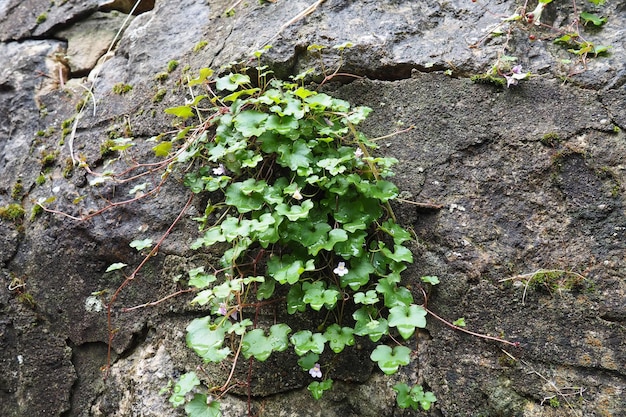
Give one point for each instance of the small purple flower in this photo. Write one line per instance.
(223, 310)
(316, 371)
(358, 153)
(515, 76)
(341, 269)
(297, 195)
(220, 170)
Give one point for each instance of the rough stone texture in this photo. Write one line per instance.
(530, 178)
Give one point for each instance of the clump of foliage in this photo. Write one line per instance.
(13, 212)
(304, 211)
(528, 22)
(121, 88)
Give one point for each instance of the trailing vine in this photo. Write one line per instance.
(304, 211)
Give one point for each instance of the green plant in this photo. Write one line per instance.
(42, 18)
(172, 65)
(304, 212)
(13, 212)
(48, 158)
(121, 88)
(17, 190)
(528, 22)
(158, 97)
(200, 45)
(414, 397)
(161, 76)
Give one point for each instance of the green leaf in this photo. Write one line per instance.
(294, 155)
(459, 322)
(285, 125)
(278, 337)
(393, 295)
(413, 397)
(432, 280)
(592, 18)
(198, 279)
(116, 266)
(399, 234)
(328, 243)
(200, 406)
(295, 299)
(250, 123)
(358, 274)
(339, 337)
(180, 111)
(295, 212)
(244, 197)
(185, 383)
(211, 237)
(407, 318)
(371, 297)
(234, 96)
(367, 325)
(203, 75)
(400, 254)
(317, 388)
(308, 361)
(141, 244)
(162, 149)
(319, 101)
(389, 360)
(305, 341)
(255, 343)
(317, 296)
(287, 270)
(266, 289)
(231, 82)
(206, 339)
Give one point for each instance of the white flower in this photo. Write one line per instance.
(341, 269)
(220, 170)
(516, 74)
(297, 195)
(316, 371)
(358, 153)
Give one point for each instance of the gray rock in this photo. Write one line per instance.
(530, 178)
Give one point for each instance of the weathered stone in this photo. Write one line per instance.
(530, 178)
(89, 39)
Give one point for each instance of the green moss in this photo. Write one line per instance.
(121, 88)
(13, 212)
(42, 18)
(68, 170)
(158, 97)
(48, 158)
(105, 147)
(172, 65)
(18, 188)
(41, 133)
(36, 211)
(161, 76)
(80, 105)
(550, 139)
(67, 123)
(41, 179)
(200, 45)
(488, 79)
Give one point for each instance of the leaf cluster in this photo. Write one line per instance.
(298, 200)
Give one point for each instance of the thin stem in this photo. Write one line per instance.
(482, 336)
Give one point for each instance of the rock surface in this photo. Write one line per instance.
(530, 178)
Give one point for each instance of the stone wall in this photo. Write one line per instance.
(529, 177)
